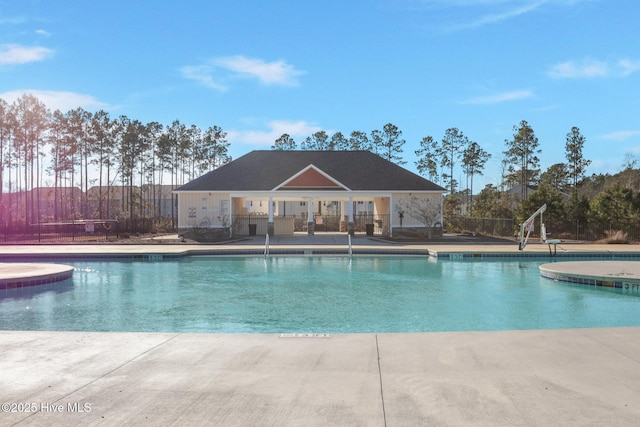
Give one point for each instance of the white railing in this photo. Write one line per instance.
(527, 227)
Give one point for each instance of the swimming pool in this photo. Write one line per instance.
(312, 295)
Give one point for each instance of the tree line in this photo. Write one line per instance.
(434, 160)
(80, 149)
(524, 187)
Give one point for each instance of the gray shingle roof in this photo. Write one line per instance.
(263, 170)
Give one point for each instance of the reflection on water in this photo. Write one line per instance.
(312, 295)
(30, 292)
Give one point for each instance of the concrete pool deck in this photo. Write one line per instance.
(328, 242)
(514, 378)
(510, 378)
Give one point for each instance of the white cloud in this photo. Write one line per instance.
(217, 72)
(487, 12)
(58, 100)
(17, 54)
(589, 68)
(296, 129)
(505, 3)
(203, 74)
(268, 73)
(13, 21)
(500, 97)
(43, 32)
(585, 69)
(621, 135)
(628, 67)
(494, 18)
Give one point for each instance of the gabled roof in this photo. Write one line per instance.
(311, 178)
(266, 170)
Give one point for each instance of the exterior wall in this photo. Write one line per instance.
(256, 206)
(381, 206)
(283, 226)
(238, 207)
(203, 210)
(400, 200)
(411, 226)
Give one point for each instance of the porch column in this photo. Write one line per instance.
(270, 224)
(310, 221)
(350, 224)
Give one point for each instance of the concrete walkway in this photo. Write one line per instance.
(509, 378)
(512, 378)
(319, 242)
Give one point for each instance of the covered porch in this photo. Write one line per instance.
(261, 214)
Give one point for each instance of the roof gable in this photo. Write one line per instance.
(311, 178)
(269, 170)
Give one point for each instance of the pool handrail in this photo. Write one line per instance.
(266, 245)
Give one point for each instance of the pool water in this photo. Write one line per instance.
(312, 295)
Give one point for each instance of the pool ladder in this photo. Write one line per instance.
(266, 246)
(350, 247)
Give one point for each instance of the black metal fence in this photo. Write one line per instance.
(578, 231)
(377, 225)
(72, 231)
(499, 227)
(593, 232)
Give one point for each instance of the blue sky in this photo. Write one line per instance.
(259, 69)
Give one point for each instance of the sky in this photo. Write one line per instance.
(259, 69)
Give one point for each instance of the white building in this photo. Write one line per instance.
(279, 192)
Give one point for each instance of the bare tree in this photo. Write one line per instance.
(427, 210)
